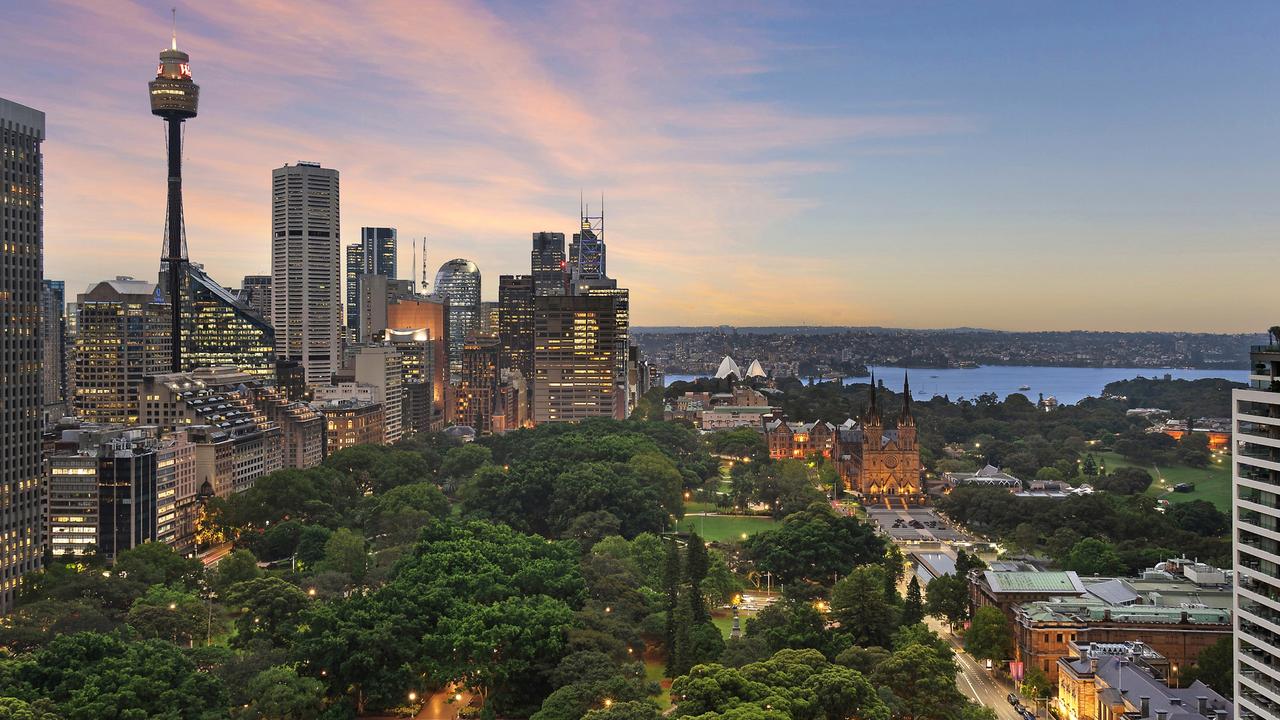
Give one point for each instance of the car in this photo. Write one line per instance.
(1028, 714)
(1013, 699)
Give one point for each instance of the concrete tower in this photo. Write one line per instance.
(306, 268)
(174, 98)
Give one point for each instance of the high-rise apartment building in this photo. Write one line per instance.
(458, 282)
(548, 263)
(378, 366)
(122, 336)
(375, 293)
(354, 269)
(255, 294)
(1255, 458)
(515, 322)
(306, 268)
(417, 370)
(575, 363)
(21, 390)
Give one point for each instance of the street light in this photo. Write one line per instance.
(608, 702)
(311, 592)
(413, 696)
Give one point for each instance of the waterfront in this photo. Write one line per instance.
(1067, 384)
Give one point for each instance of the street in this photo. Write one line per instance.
(975, 682)
(444, 705)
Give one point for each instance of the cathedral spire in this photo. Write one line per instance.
(873, 413)
(905, 418)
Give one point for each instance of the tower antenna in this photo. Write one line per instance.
(174, 46)
(415, 256)
(424, 264)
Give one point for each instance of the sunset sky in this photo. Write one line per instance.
(1008, 165)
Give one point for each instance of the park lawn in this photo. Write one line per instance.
(725, 528)
(725, 623)
(655, 671)
(1213, 483)
(697, 506)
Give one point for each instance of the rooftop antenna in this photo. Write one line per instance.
(415, 256)
(174, 46)
(424, 264)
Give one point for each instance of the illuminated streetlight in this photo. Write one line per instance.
(173, 606)
(608, 702)
(311, 592)
(413, 696)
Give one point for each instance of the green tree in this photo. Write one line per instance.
(989, 636)
(1193, 450)
(922, 681)
(236, 567)
(913, 606)
(1092, 556)
(345, 552)
(629, 710)
(1200, 517)
(793, 684)
(265, 608)
(1214, 667)
(862, 607)
(33, 624)
(814, 545)
(310, 546)
(15, 709)
(1036, 684)
(153, 563)
(169, 614)
(947, 598)
(1026, 537)
(279, 693)
(89, 675)
(462, 462)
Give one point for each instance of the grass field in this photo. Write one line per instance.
(725, 528)
(654, 670)
(1213, 483)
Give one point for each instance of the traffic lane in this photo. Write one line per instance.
(974, 678)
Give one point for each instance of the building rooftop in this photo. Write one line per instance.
(1067, 582)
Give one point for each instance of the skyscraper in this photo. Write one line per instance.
(53, 342)
(375, 254)
(122, 336)
(575, 365)
(255, 293)
(515, 322)
(548, 265)
(21, 267)
(174, 97)
(306, 268)
(478, 389)
(1255, 458)
(458, 282)
(587, 252)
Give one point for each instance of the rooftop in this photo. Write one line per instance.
(1034, 582)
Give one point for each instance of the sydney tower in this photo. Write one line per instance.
(174, 97)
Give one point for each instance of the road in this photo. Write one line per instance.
(444, 705)
(211, 556)
(977, 684)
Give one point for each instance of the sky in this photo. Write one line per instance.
(1011, 165)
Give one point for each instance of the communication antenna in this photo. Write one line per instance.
(415, 255)
(174, 45)
(424, 264)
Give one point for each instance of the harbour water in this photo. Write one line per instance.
(1067, 384)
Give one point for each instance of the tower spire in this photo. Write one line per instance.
(873, 413)
(905, 418)
(174, 44)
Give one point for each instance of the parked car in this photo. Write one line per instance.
(1013, 699)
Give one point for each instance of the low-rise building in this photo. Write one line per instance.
(728, 417)
(1179, 608)
(1130, 680)
(797, 440)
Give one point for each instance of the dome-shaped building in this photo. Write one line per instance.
(458, 282)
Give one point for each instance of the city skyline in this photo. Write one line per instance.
(743, 188)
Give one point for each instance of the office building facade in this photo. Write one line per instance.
(458, 282)
(21, 392)
(122, 336)
(548, 263)
(53, 343)
(575, 363)
(515, 322)
(219, 330)
(255, 294)
(375, 254)
(306, 268)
